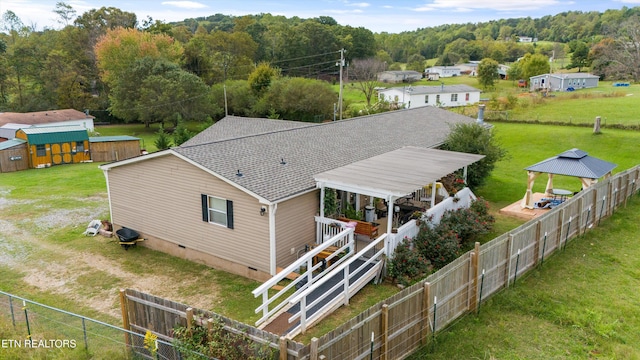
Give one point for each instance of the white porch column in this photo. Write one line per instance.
(434, 189)
(464, 174)
(322, 200)
(390, 214)
(272, 238)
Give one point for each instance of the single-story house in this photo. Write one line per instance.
(114, 148)
(441, 96)
(66, 117)
(14, 155)
(399, 76)
(241, 196)
(562, 82)
(444, 71)
(55, 145)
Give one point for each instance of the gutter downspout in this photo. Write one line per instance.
(106, 176)
(272, 238)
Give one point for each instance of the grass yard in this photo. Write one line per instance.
(581, 304)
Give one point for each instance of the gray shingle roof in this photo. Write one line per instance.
(574, 162)
(316, 148)
(231, 127)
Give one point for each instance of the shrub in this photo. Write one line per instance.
(218, 343)
(407, 264)
(469, 223)
(439, 244)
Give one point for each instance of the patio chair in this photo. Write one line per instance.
(92, 228)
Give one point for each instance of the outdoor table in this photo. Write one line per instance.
(562, 193)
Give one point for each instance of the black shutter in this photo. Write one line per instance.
(230, 214)
(205, 207)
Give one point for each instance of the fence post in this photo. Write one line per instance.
(313, 350)
(595, 206)
(384, 324)
(536, 245)
(189, 316)
(13, 316)
(84, 331)
(26, 318)
(581, 208)
(283, 348)
(473, 295)
(507, 268)
(559, 231)
(426, 299)
(125, 317)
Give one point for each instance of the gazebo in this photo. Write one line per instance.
(574, 162)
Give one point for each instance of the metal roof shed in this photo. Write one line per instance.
(574, 162)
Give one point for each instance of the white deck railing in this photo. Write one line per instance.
(360, 274)
(327, 228)
(410, 229)
(308, 278)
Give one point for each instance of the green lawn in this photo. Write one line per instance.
(581, 304)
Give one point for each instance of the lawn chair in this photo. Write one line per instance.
(93, 228)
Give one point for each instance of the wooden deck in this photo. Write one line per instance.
(527, 214)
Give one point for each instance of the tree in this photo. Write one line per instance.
(260, 79)
(475, 139)
(618, 56)
(120, 48)
(156, 90)
(487, 73)
(301, 99)
(163, 141)
(532, 65)
(65, 12)
(579, 58)
(365, 72)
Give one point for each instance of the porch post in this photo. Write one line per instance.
(434, 189)
(549, 185)
(464, 174)
(390, 214)
(322, 200)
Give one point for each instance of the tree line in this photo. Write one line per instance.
(122, 69)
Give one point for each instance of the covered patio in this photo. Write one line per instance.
(403, 174)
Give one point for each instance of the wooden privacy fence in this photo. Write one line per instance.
(408, 320)
(399, 325)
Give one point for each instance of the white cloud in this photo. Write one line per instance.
(362, 4)
(185, 4)
(498, 5)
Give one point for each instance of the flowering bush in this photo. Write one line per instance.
(407, 263)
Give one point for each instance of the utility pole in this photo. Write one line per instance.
(341, 64)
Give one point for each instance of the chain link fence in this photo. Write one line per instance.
(28, 328)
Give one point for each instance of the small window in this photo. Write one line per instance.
(426, 99)
(466, 97)
(454, 97)
(216, 210)
(79, 146)
(41, 150)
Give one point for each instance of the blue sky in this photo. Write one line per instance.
(391, 16)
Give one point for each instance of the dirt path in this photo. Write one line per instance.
(58, 269)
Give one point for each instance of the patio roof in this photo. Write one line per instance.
(396, 173)
(574, 162)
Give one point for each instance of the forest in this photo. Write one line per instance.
(124, 69)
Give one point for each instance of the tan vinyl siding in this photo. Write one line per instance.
(162, 197)
(295, 226)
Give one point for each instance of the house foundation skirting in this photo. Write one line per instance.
(213, 261)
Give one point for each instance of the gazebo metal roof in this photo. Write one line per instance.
(396, 173)
(574, 162)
